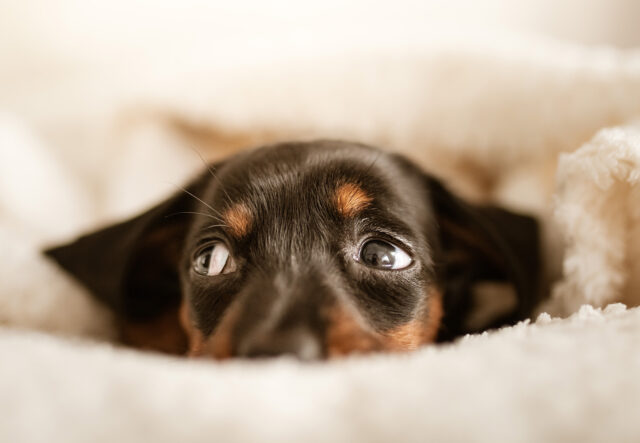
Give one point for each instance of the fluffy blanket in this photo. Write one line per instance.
(534, 125)
(554, 380)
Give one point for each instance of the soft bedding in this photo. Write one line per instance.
(538, 126)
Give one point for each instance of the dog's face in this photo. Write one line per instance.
(312, 249)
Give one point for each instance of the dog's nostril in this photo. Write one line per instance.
(300, 343)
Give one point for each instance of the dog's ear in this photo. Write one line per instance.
(132, 266)
(488, 263)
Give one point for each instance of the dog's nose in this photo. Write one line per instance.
(299, 342)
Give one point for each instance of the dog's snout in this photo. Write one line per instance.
(282, 315)
(298, 342)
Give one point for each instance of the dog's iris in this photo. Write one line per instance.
(213, 260)
(384, 255)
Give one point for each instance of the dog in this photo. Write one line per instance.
(312, 249)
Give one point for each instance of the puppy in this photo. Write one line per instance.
(316, 250)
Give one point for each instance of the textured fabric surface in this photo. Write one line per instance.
(520, 123)
(553, 381)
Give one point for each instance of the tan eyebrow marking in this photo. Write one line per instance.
(238, 220)
(351, 199)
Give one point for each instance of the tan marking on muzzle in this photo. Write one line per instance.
(420, 331)
(194, 336)
(346, 334)
(238, 220)
(350, 199)
(219, 344)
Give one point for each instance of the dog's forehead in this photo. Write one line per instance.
(286, 171)
(295, 160)
(309, 186)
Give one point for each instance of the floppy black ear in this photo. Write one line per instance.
(132, 266)
(488, 263)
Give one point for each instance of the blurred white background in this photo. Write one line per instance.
(69, 67)
(50, 50)
(49, 47)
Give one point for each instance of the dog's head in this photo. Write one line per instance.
(313, 249)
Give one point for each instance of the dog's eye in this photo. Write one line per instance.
(380, 254)
(214, 260)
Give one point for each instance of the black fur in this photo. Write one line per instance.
(298, 256)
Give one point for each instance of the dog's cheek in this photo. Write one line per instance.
(419, 331)
(219, 344)
(194, 335)
(346, 334)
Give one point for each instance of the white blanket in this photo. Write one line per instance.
(552, 381)
(493, 118)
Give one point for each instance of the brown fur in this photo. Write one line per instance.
(346, 334)
(435, 312)
(238, 220)
(350, 199)
(219, 345)
(163, 334)
(194, 336)
(422, 330)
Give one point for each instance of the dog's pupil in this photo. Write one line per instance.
(204, 260)
(378, 253)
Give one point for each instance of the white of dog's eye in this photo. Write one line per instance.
(214, 260)
(383, 255)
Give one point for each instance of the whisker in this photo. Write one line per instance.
(201, 201)
(215, 212)
(223, 225)
(211, 171)
(195, 213)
